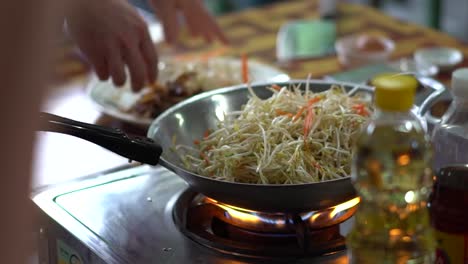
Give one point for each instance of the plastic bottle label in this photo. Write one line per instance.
(451, 248)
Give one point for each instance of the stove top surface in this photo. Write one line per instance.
(127, 217)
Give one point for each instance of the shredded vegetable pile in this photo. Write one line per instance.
(293, 137)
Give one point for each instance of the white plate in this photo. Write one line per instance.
(443, 57)
(114, 101)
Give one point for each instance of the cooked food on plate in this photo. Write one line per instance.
(293, 137)
(179, 81)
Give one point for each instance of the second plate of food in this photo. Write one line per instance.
(178, 80)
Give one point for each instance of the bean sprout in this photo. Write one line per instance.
(293, 137)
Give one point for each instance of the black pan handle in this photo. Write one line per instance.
(136, 148)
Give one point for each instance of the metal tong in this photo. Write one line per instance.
(141, 149)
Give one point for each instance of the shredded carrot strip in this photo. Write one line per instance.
(310, 115)
(299, 113)
(245, 69)
(210, 147)
(357, 106)
(281, 112)
(316, 165)
(196, 142)
(313, 101)
(206, 134)
(205, 157)
(308, 120)
(276, 87)
(361, 109)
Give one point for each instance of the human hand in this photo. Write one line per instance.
(198, 19)
(112, 34)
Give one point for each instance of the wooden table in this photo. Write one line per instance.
(61, 158)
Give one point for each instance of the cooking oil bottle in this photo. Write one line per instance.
(391, 172)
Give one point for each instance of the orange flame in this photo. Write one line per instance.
(344, 206)
(254, 217)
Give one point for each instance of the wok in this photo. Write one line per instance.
(187, 121)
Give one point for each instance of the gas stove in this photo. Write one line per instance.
(142, 214)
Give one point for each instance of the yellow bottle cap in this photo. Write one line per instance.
(394, 92)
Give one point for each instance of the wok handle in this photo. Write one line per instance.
(141, 149)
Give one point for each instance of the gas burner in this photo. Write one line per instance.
(238, 231)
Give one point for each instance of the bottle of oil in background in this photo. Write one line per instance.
(450, 136)
(391, 173)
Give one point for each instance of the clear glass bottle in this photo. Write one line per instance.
(450, 136)
(391, 173)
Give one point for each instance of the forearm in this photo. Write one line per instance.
(26, 27)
